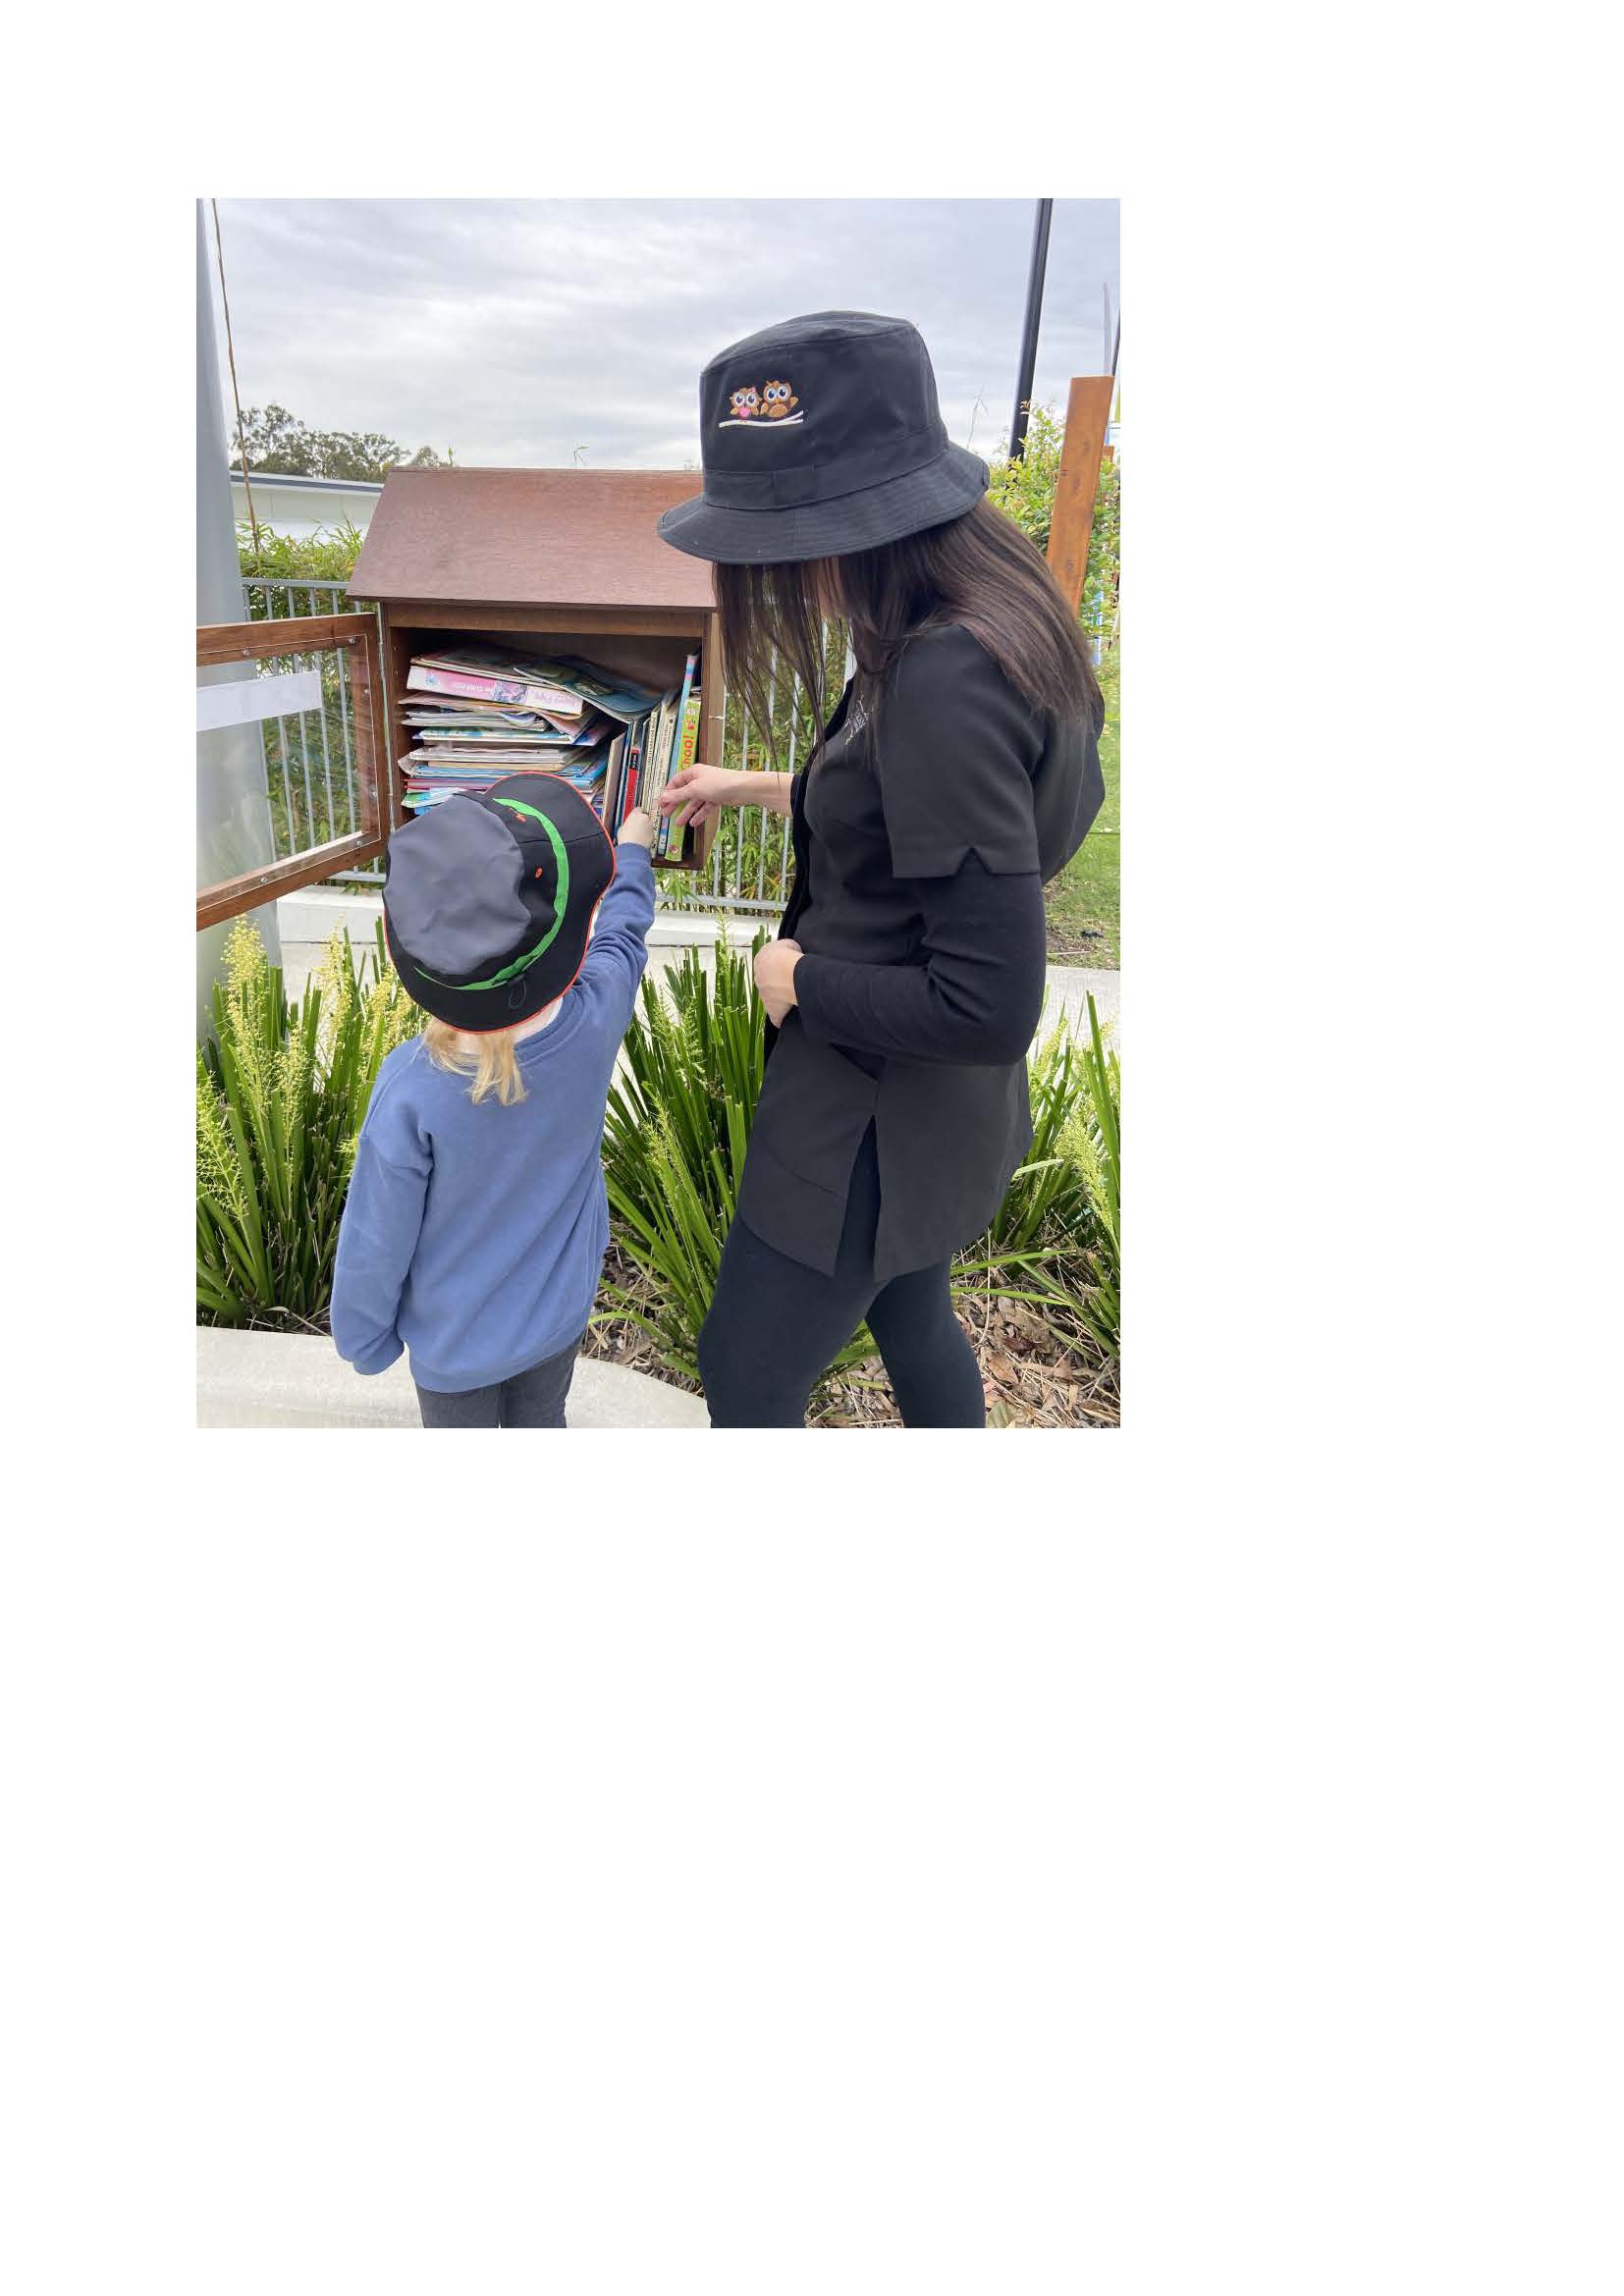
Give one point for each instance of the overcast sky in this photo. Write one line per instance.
(517, 331)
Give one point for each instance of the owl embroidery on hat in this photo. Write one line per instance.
(771, 402)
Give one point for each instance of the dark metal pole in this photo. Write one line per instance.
(1029, 337)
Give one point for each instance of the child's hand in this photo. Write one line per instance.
(637, 829)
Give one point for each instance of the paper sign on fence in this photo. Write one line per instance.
(250, 698)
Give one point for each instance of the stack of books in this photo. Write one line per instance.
(479, 713)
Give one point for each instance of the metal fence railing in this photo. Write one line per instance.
(310, 757)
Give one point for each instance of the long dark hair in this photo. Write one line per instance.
(979, 571)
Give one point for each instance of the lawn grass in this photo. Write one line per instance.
(1084, 900)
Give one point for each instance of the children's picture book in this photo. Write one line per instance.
(562, 688)
(687, 748)
(473, 672)
(508, 739)
(432, 706)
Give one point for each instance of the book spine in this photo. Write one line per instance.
(657, 741)
(665, 764)
(687, 748)
(634, 767)
(612, 781)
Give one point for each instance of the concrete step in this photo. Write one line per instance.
(294, 1379)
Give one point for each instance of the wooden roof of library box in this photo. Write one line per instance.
(530, 538)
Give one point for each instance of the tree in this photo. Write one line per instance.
(277, 440)
(1024, 491)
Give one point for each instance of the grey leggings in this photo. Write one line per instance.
(530, 1398)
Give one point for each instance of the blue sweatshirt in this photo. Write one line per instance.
(475, 1236)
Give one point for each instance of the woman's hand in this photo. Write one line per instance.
(775, 977)
(700, 791)
(637, 829)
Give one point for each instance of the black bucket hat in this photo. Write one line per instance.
(819, 437)
(489, 899)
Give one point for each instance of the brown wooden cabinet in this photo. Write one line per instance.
(562, 562)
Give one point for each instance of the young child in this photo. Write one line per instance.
(476, 1222)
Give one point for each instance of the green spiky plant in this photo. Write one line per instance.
(675, 1132)
(1047, 1192)
(282, 1090)
(1054, 1240)
(1093, 1142)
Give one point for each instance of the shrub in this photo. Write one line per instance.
(1046, 1197)
(282, 1090)
(1091, 1143)
(1024, 491)
(677, 1129)
(1054, 1242)
(327, 557)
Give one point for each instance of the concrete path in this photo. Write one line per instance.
(1069, 989)
(294, 1379)
(307, 917)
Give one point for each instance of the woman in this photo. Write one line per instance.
(957, 773)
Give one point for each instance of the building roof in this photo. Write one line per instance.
(297, 478)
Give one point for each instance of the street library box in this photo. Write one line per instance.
(556, 563)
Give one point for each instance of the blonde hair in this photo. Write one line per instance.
(488, 1058)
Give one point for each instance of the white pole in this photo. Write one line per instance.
(234, 812)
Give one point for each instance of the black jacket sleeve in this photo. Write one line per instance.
(974, 1000)
(954, 747)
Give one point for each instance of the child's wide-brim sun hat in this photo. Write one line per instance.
(820, 436)
(489, 899)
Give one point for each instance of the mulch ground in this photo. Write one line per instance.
(1032, 1375)
(1079, 945)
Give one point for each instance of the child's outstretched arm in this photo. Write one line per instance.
(619, 949)
(383, 1214)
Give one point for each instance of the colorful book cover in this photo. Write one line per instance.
(540, 682)
(645, 750)
(668, 763)
(620, 697)
(687, 749)
(654, 775)
(430, 708)
(425, 677)
(612, 776)
(470, 736)
(568, 682)
(634, 766)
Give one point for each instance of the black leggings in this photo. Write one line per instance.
(775, 1325)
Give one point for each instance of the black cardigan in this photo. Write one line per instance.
(922, 840)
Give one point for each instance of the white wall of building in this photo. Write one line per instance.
(306, 506)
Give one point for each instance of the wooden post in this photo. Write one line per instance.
(1087, 414)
